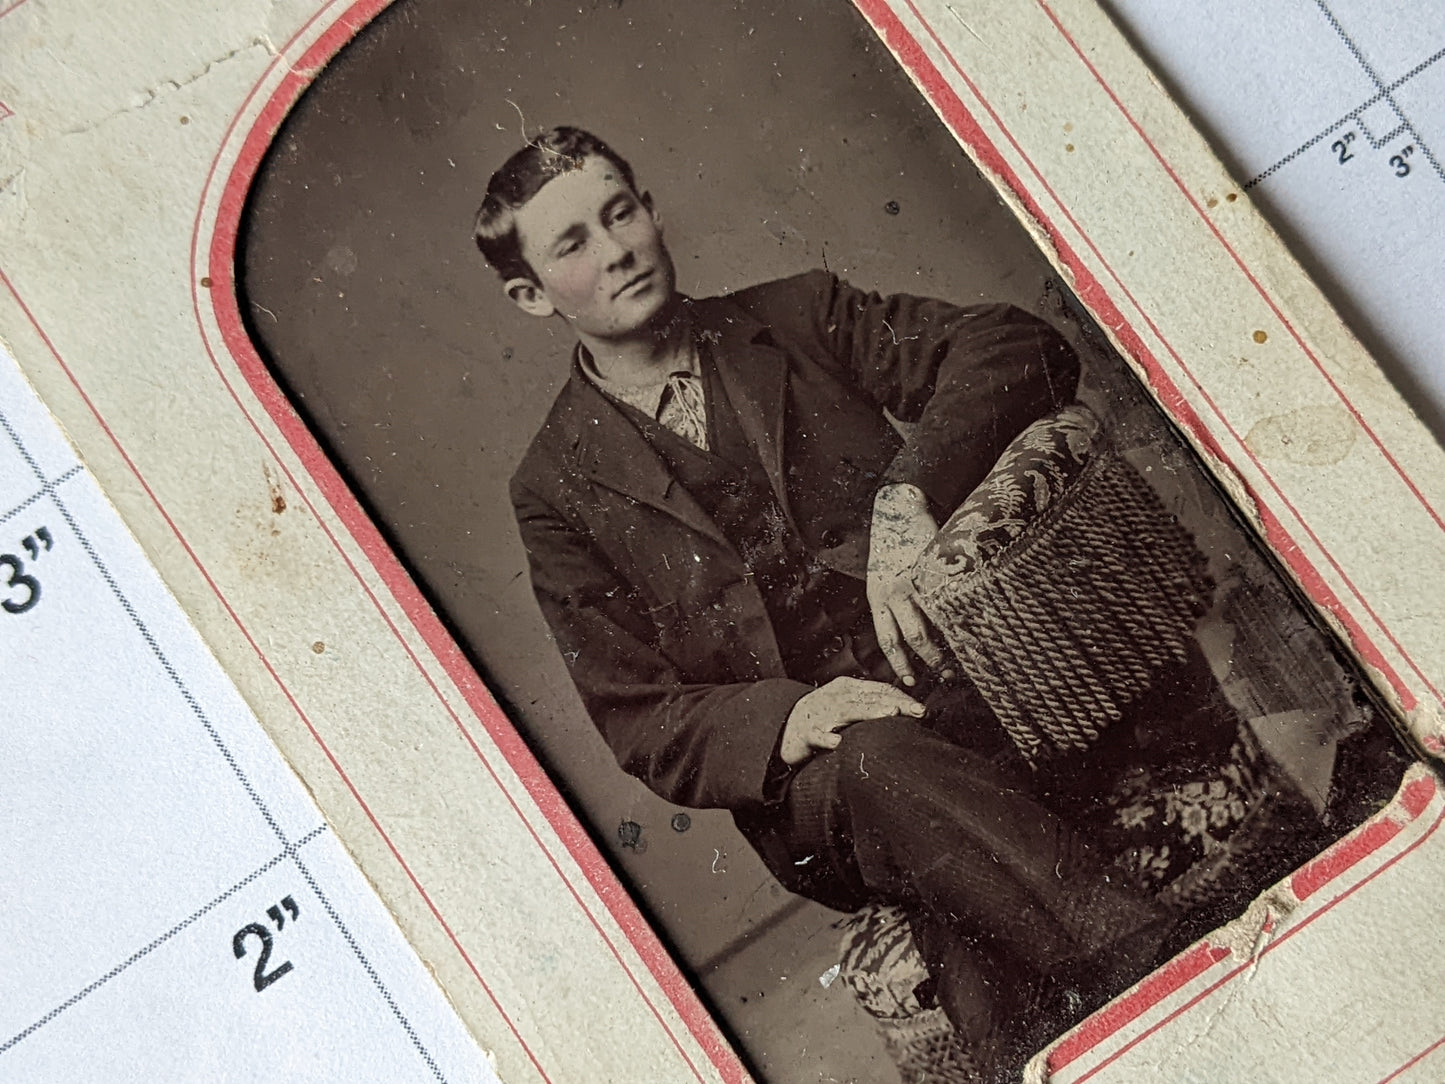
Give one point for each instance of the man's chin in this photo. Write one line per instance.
(651, 310)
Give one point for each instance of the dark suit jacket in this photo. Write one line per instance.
(664, 633)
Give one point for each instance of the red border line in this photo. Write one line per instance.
(1341, 856)
(966, 128)
(1344, 853)
(338, 496)
(1416, 1060)
(549, 801)
(1239, 262)
(911, 54)
(1167, 981)
(1280, 538)
(115, 441)
(384, 563)
(1096, 1037)
(8, 8)
(220, 265)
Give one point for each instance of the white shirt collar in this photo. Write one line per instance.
(646, 396)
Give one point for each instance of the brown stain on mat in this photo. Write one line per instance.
(273, 487)
(1314, 436)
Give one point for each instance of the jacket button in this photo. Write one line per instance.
(831, 538)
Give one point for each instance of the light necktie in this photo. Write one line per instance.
(683, 408)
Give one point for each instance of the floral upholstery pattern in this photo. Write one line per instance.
(881, 965)
(1209, 843)
(1033, 472)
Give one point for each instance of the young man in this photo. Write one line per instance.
(720, 518)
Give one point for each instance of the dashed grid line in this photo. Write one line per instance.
(1380, 87)
(145, 633)
(48, 489)
(1389, 137)
(370, 971)
(74, 999)
(40, 494)
(1384, 93)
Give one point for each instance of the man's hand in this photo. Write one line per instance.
(902, 528)
(816, 718)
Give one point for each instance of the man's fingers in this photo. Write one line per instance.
(900, 703)
(890, 640)
(901, 627)
(852, 713)
(826, 740)
(877, 700)
(918, 633)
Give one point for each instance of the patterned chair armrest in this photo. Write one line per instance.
(1063, 585)
(881, 965)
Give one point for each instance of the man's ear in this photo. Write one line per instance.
(528, 296)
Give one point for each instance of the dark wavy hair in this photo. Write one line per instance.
(551, 154)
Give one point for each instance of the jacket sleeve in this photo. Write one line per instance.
(971, 378)
(693, 743)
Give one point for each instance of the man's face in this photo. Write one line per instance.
(597, 251)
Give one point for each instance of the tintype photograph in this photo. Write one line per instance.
(909, 667)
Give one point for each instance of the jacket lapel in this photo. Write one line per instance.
(611, 452)
(754, 373)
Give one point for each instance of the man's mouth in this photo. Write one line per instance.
(635, 280)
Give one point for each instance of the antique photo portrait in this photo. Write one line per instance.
(905, 661)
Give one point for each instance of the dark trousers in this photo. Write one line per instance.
(942, 816)
(937, 815)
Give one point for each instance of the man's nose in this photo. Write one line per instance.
(618, 254)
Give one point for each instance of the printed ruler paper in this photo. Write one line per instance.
(128, 139)
(176, 908)
(1332, 115)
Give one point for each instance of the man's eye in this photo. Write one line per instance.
(569, 248)
(623, 213)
